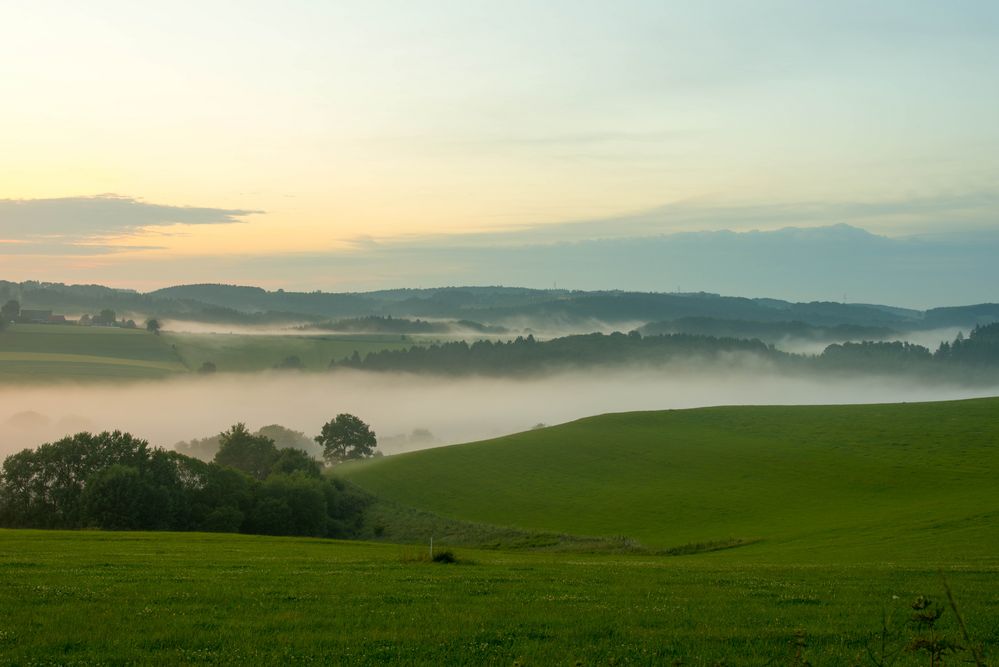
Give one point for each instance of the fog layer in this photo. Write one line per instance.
(454, 410)
(929, 339)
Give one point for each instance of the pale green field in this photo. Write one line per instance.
(50, 352)
(245, 353)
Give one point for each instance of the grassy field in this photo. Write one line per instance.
(241, 352)
(909, 483)
(47, 352)
(120, 598)
(50, 351)
(848, 514)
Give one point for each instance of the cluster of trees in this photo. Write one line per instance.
(109, 318)
(116, 481)
(770, 332)
(876, 356)
(980, 347)
(283, 437)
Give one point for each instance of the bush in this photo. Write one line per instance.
(271, 516)
(120, 499)
(226, 519)
(291, 505)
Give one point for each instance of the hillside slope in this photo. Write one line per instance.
(845, 483)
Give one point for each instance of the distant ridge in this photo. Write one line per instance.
(484, 304)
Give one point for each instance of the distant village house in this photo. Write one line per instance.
(28, 316)
(35, 316)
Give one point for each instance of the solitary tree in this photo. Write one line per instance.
(153, 326)
(345, 438)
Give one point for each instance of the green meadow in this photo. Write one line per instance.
(804, 484)
(744, 536)
(245, 352)
(49, 352)
(135, 598)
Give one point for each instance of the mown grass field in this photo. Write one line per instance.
(50, 352)
(125, 598)
(906, 483)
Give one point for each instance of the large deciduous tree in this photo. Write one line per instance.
(345, 438)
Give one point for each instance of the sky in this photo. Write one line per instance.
(156, 143)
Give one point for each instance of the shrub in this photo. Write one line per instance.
(445, 557)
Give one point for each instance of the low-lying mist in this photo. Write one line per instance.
(540, 328)
(199, 327)
(930, 339)
(453, 410)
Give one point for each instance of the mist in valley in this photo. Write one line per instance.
(453, 410)
(930, 339)
(542, 328)
(222, 328)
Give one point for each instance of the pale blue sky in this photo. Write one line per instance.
(393, 121)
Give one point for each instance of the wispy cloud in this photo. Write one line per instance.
(85, 225)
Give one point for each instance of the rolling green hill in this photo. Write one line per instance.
(903, 482)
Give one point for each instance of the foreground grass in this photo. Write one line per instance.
(115, 598)
(841, 484)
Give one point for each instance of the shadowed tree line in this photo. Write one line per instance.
(525, 356)
(115, 481)
(528, 355)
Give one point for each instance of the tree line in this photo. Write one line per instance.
(526, 355)
(115, 481)
(978, 351)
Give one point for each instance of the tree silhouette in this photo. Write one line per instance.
(345, 438)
